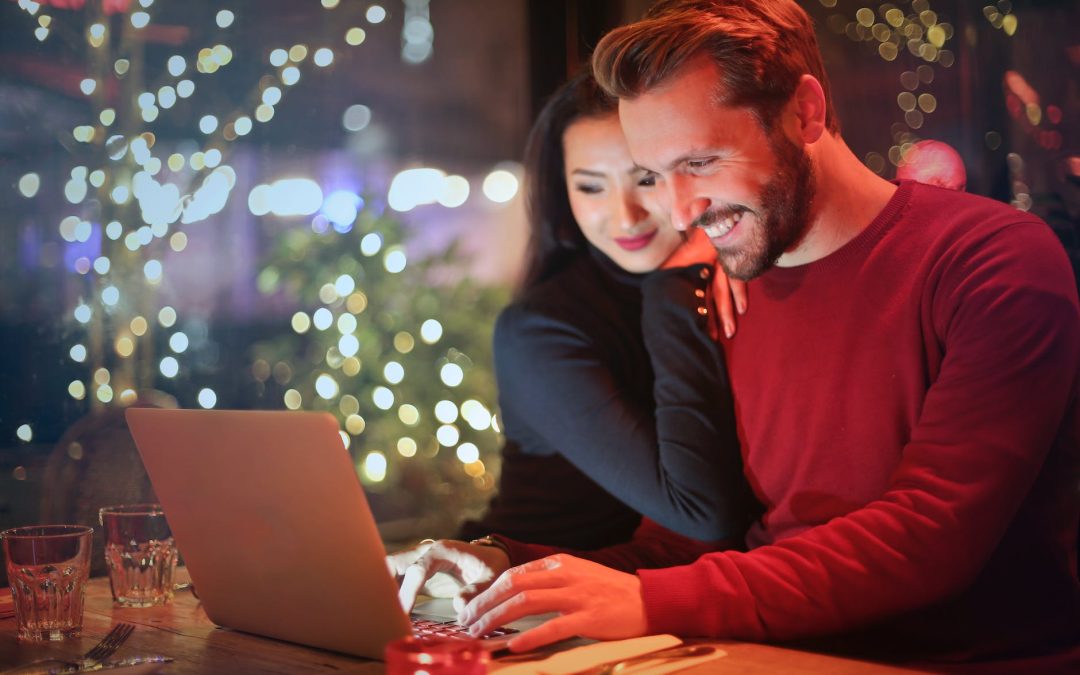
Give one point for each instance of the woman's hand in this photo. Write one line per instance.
(728, 295)
(467, 570)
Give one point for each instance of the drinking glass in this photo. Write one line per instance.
(435, 656)
(140, 554)
(47, 567)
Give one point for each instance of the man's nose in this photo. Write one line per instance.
(685, 205)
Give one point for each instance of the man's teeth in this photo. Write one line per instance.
(723, 226)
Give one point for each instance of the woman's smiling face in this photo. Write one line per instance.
(614, 202)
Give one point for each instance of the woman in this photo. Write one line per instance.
(614, 398)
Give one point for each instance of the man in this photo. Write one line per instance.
(906, 385)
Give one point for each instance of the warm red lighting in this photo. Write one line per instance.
(933, 163)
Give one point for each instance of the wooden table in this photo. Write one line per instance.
(182, 631)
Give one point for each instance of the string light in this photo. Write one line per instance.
(923, 35)
(150, 195)
(417, 33)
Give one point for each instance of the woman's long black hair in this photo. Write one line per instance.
(554, 235)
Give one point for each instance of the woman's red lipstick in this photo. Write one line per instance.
(635, 243)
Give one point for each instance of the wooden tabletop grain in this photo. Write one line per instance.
(182, 631)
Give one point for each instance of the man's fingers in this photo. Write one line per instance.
(509, 583)
(465, 594)
(559, 628)
(520, 605)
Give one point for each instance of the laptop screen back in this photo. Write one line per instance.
(270, 518)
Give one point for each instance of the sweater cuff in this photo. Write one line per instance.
(520, 552)
(678, 292)
(692, 600)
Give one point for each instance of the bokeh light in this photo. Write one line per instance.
(430, 331)
(293, 400)
(207, 398)
(355, 36)
(356, 117)
(24, 433)
(451, 374)
(29, 184)
(326, 386)
(406, 447)
(383, 398)
(448, 435)
(169, 366)
(409, 415)
(500, 186)
(446, 412)
(394, 372)
(375, 14)
(179, 342)
(468, 453)
(322, 318)
(371, 243)
(375, 466)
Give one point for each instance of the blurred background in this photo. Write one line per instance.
(315, 204)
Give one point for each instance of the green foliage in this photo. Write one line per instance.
(386, 313)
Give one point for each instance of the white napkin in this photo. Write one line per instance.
(675, 665)
(580, 658)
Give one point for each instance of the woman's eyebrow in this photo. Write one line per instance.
(588, 172)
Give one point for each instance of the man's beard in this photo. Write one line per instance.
(783, 215)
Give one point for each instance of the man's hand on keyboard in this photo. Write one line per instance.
(471, 567)
(592, 601)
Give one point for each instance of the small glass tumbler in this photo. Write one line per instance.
(47, 567)
(140, 554)
(436, 656)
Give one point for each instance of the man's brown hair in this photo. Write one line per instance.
(762, 48)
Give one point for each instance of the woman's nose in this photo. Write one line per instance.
(630, 212)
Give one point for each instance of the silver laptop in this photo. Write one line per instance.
(269, 515)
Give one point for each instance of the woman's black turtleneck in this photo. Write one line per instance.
(615, 405)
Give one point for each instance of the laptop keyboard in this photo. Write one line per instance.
(433, 627)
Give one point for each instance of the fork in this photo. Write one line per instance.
(91, 660)
(107, 647)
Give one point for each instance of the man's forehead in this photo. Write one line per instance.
(698, 75)
(695, 83)
(666, 123)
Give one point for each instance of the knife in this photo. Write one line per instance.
(137, 665)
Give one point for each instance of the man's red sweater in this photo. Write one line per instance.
(907, 408)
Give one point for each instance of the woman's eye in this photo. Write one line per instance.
(588, 189)
(647, 181)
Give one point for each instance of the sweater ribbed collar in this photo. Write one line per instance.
(853, 250)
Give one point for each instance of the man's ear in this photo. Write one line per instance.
(808, 105)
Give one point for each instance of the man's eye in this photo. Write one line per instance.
(698, 163)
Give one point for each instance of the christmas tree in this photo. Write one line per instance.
(400, 352)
